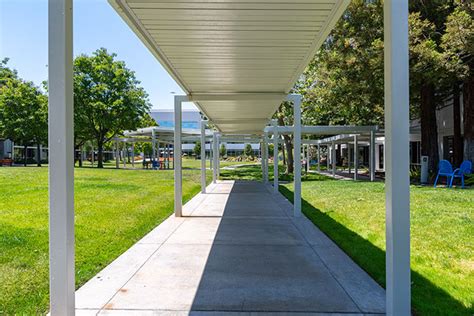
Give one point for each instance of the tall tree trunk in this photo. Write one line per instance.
(289, 154)
(80, 155)
(100, 154)
(429, 130)
(38, 155)
(283, 155)
(457, 138)
(25, 154)
(468, 102)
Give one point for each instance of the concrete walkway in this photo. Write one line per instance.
(238, 251)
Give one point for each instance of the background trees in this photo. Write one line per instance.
(197, 149)
(344, 82)
(23, 111)
(248, 151)
(223, 150)
(107, 99)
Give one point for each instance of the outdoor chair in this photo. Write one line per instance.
(464, 169)
(444, 169)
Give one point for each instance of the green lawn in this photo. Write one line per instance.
(442, 250)
(113, 208)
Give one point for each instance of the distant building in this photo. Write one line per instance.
(192, 120)
(165, 118)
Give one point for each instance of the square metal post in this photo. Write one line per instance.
(333, 158)
(308, 157)
(211, 148)
(328, 156)
(215, 156)
(349, 157)
(178, 172)
(275, 157)
(396, 156)
(356, 157)
(218, 155)
(319, 158)
(117, 155)
(265, 157)
(61, 158)
(133, 155)
(297, 153)
(372, 156)
(203, 156)
(153, 145)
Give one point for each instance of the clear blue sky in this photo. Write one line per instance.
(24, 39)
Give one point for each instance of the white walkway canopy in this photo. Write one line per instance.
(225, 46)
(237, 60)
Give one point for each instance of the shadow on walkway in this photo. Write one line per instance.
(372, 260)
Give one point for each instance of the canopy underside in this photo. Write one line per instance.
(233, 47)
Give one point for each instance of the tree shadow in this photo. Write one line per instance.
(427, 298)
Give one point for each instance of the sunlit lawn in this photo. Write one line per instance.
(442, 229)
(113, 209)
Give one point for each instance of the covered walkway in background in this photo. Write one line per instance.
(237, 250)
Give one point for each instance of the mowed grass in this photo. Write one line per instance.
(442, 233)
(113, 210)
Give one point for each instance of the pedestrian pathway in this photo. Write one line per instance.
(237, 251)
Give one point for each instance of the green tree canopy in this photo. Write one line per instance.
(248, 151)
(223, 150)
(107, 99)
(23, 110)
(197, 149)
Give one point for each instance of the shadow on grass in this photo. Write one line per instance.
(427, 298)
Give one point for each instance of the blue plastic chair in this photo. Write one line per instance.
(444, 169)
(464, 169)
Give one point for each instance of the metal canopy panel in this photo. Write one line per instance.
(232, 47)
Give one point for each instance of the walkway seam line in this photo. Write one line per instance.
(320, 258)
(159, 247)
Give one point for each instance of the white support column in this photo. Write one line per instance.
(61, 158)
(349, 157)
(397, 181)
(319, 158)
(356, 157)
(308, 157)
(133, 155)
(275, 159)
(177, 157)
(384, 154)
(117, 155)
(265, 157)
(297, 153)
(328, 157)
(218, 155)
(333, 158)
(372, 156)
(153, 145)
(215, 156)
(203, 156)
(211, 148)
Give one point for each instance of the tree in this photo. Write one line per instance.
(284, 116)
(426, 74)
(343, 84)
(23, 113)
(248, 151)
(107, 99)
(458, 44)
(223, 150)
(197, 149)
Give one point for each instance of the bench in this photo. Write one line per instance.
(5, 162)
